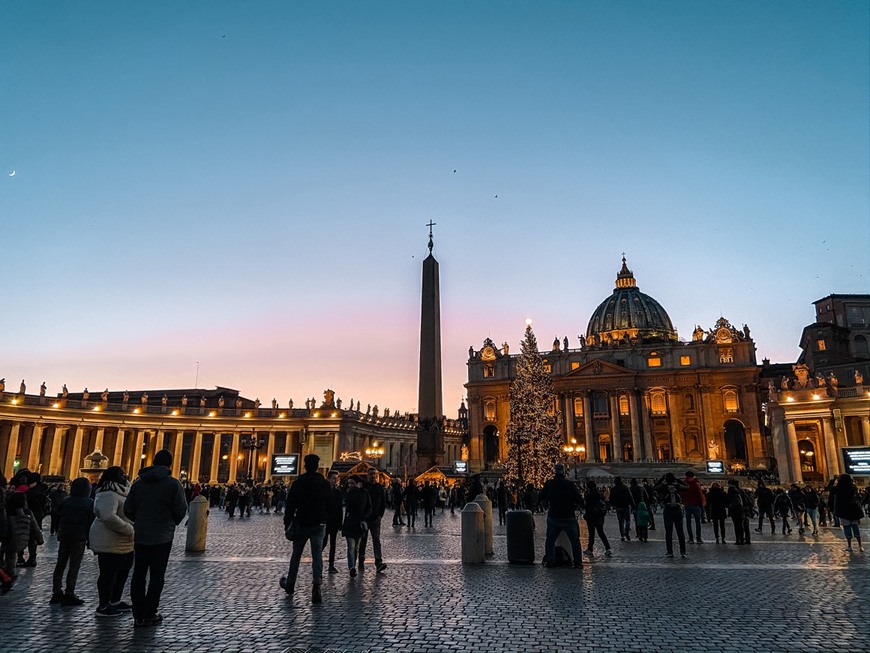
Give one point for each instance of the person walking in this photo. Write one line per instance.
(378, 498)
(669, 490)
(305, 520)
(333, 518)
(76, 515)
(739, 508)
(764, 498)
(397, 494)
(812, 500)
(357, 508)
(849, 511)
(563, 499)
(155, 505)
(622, 500)
(411, 496)
(111, 538)
(717, 500)
(596, 511)
(429, 498)
(782, 508)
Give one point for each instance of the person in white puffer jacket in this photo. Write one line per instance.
(111, 538)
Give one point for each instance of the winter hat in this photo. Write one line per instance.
(80, 487)
(559, 469)
(163, 458)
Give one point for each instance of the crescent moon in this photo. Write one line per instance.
(12, 174)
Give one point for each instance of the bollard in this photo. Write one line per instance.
(486, 505)
(473, 545)
(520, 537)
(197, 524)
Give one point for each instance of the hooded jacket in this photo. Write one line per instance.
(155, 505)
(111, 532)
(76, 513)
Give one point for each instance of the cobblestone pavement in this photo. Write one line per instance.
(783, 593)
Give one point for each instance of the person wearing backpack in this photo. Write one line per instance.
(812, 500)
(76, 515)
(782, 508)
(596, 511)
(739, 511)
(670, 489)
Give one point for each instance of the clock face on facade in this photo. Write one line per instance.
(723, 335)
(488, 354)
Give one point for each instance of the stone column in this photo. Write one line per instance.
(780, 448)
(33, 459)
(151, 446)
(288, 442)
(865, 429)
(136, 462)
(648, 444)
(569, 416)
(234, 457)
(615, 440)
(215, 459)
(591, 443)
(178, 449)
(270, 449)
(197, 457)
(56, 463)
(831, 450)
(98, 440)
(12, 450)
(118, 456)
(637, 449)
(77, 458)
(794, 454)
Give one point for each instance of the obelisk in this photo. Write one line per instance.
(430, 447)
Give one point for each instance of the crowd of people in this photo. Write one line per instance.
(131, 526)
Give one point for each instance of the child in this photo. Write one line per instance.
(642, 520)
(76, 515)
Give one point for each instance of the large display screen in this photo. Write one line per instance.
(715, 467)
(285, 464)
(857, 460)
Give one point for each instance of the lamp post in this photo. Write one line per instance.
(576, 452)
(376, 452)
(253, 444)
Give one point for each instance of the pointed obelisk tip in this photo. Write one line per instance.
(431, 243)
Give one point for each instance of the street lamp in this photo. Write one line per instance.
(253, 444)
(574, 451)
(375, 452)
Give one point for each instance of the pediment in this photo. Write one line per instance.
(601, 368)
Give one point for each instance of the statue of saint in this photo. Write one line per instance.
(328, 398)
(471, 352)
(833, 380)
(202, 402)
(565, 343)
(338, 403)
(464, 452)
(23, 387)
(274, 404)
(144, 398)
(64, 391)
(184, 401)
(221, 402)
(859, 378)
(746, 332)
(86, 395)
(164, 400)
(104, 396)
(713, 448)
(783, 383)
(3, 384)
(257, 403)
(505, 347)
(42, 389)
(582, 339)
(126, 396)
(375, 411)
(238, 404)
(290, 403)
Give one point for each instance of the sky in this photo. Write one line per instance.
(236, 194)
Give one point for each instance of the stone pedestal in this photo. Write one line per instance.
(486, 505)
(197, 524)
(473, 544)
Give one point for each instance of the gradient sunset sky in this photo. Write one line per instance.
(247, 185)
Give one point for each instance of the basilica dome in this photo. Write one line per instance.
(629, 314)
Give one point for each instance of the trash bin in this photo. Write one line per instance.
(520, 537)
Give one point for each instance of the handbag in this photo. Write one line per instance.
(292, 530)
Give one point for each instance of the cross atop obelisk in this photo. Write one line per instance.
(430, 225)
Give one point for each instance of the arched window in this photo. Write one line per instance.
(861, 346)
(807, 452)
(658, 403)
(578, 406)
(729, 398)
(623, 405)
(489, 410)
(690, 402)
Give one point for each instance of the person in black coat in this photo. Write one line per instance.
(378, 496)
(304, 520)
(563, 499)
(357, 508)
(596, 511)
(412, 495)
(717, 501)
(76, 516)
(669, 490)
(848, 509)
(333, 518)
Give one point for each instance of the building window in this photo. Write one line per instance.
(726, 355)
(489, 410)
(654, 362)
(658, 404)
(820, 344)
(578, 406)
(547, 367)
(685, 360)
(857, 316)
(487, 371)
(690, 403)
(623, 405)
(599, 403)
(574, 365)
(730, 400)
(861, 345)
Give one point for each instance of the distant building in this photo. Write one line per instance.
(821, 404)
(631, 390)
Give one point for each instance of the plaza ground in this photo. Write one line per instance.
(782, 593)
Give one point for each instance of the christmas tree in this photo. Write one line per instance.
(533, 439)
